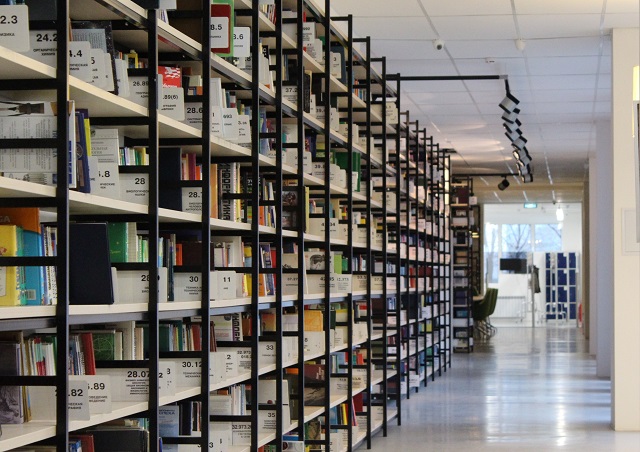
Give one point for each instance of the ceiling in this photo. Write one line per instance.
(562, 78)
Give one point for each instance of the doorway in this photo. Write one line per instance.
(532, 255)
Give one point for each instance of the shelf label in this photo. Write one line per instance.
(244, 129)
(122, 78)
(98, 72)
(219, 32)
(167, 377)
(105, 179)
(44, 46)
(231, 364)
(216, 121)
(241, 433)
(134, 188)
(230, 125)
(290, 93)
(99, 392)
(133, 285)
(128, 385)
(193, 114)
(192, 199)
(225, 284)
(80, 60)
(172, 103)
(14, 27)
(187, 286)
(241, 42)
(78, 401)
(139, 90)
(189, 370)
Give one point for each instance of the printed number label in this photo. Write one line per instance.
(46, 37)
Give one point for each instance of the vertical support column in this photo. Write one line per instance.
(326, 22)
(255, 230)
(205, 304)
(278, 238)
(62, 205)
(154, 228)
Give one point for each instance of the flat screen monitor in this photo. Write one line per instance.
(513, 265)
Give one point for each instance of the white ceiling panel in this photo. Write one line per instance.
(557, 82)
(563, 66)
(422, 67)
(553, 7)
(434, 85)
(405, 49)
(564, 95)
(564, 107)
(482, 27)
(622, 6)
(603, 95)
(470, 48)
(467, 119)
(373, 8)
(620, 21)
(441, 98)
(496, 86)
(487, 97)
(562, 47)
(543, 26)
(603, 107)
(409, 28)
(467, 7)
(455, 109)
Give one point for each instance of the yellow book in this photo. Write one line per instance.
(11, 278)
(313, 320)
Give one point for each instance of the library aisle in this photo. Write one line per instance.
(528, 389)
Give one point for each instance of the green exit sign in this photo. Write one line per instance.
(530, 205)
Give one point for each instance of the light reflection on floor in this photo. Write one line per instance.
(525, 389)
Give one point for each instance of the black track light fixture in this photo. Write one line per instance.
(503, 185)
(509, 103)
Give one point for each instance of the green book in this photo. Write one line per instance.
(104, 345)
(118, 242)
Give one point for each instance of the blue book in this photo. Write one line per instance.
(28, 218)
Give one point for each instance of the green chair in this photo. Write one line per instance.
(480, 312)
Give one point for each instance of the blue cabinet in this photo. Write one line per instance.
(562, 275)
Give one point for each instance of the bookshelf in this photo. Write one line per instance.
(207, 313)
(461, 221)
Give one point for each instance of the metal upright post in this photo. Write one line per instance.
(255, 225)
(205, 304)
(62, 208)
(154, 231)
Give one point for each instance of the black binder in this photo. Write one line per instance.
(89, 264)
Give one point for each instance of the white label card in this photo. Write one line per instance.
(109, 83)
(193, 114)
(44, 46)
(139, 90)
(122, 78)
(244, 129)
(134, 188)
(167, 377)
(78, 401)
(216, 121)
(192, 199)
(219, 32)
(241, 42)
(172, 103)
(128, 385)
(290, 93)
(105, 180)
(98, 73)
(14, 27)
(230, 124)
(80, 60)
(99, 387)
(187, 286)
(189, 370)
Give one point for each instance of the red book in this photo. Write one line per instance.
(85, 440)
(86, 340)
(171, 76)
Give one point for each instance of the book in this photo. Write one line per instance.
(11, 399)
(90, 279)
(28, 218)
(12, 284)
(35, 119)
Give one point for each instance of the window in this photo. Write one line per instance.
(516, 240)
(548, 237)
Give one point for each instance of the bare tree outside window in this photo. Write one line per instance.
(516, 240)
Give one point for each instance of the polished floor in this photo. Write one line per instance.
(526, 389)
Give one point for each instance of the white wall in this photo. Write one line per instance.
(601, 250)
(626, 269)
